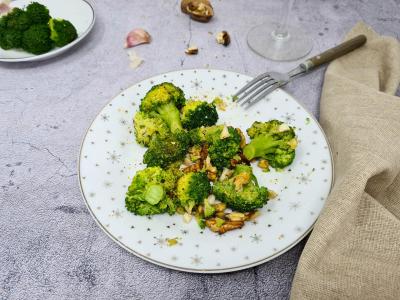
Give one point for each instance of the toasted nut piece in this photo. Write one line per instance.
(247, 215)
(219, 103)
(283, 127)
(293, 143)
(220, 214)
(204, 152)
(242, 138)
(236, 216)
(200, 209)
(252, 215)
(226, 173)
(192, 50)
(224, 133)
(211, 223)
(223, 38)
(263, 164)
(231, 225)
(272, 194)
(211, 199)
(234, 162)
(212, 176)
(195, 153)
(220, 207)
(187, 161)
(199, 10)
(240, 180)
(187, 217)
(209, 166)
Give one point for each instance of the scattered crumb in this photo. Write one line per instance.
(219, 103)
(192, 50)
(135, 59)
(172, 242)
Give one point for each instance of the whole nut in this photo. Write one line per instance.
(199, 10)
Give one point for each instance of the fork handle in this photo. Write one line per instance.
(333, 53)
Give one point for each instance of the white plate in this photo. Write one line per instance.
(110, 157)
(79, 12)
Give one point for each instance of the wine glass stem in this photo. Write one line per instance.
(281, 31)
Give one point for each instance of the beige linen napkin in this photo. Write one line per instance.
(354, 249)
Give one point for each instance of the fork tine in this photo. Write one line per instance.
(269, 90)
(257, 92)
(254, 88)
(256, 79)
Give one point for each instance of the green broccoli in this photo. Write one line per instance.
(37, 40)
(147, 126)
(198, 113)
(10, 38)
(241, 191)
(149, 192)
(272, 126)
(3, 22)
(274, 141)
(62, 32)
(192, 189)
(175, 170)
(17, 19)
(223, 143)
(206, 134)
(38, 13)
(165, 99)
(165, 150)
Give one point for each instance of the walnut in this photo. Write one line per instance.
(231, 225)
(199, 10)
(223, 38)
(241, 180)
(192, 50)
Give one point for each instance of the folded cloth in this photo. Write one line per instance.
(354, 249)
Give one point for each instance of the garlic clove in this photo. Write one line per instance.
(136, 37)
(4, 7)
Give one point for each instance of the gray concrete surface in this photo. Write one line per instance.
(50, 248)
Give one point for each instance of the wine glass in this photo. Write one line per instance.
(280, 41)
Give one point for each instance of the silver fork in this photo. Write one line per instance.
(263, 84)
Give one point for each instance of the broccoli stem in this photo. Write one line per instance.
(170, 114)
(260, 146)
(154, 194)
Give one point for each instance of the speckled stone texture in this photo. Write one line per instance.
(50, 248)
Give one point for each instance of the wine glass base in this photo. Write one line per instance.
(262, 40)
